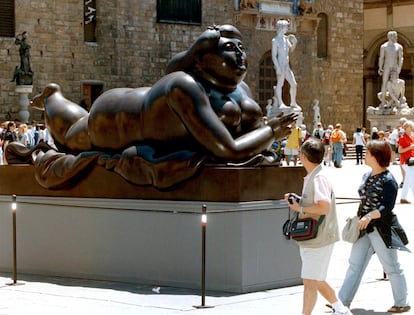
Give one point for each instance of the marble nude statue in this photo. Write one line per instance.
(390, 59)
(200, 112)
(282, 46)
(395, 93)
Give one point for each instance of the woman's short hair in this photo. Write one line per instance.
(381, 151)
(409, 123)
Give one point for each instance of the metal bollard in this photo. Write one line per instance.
(203, 258)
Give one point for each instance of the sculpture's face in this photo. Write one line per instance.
(393, 36)
(227, 66)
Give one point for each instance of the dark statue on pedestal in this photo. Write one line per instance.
(200, 112)
(24, 74)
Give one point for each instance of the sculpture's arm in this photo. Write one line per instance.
(400, 58)
(292, 41)
(190, 102)
(275, 55)
(381, 61)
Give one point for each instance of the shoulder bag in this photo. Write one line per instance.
(351, 232)
(301, 229)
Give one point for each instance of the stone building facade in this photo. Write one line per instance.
(131, 49)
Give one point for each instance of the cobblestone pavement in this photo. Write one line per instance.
(61, 296)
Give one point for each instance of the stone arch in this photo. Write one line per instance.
(372, 81)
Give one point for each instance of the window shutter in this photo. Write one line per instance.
(179, 11)
(7, 18)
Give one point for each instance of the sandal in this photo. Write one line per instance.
(399, 309)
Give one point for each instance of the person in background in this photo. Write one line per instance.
(401, 132)
(35, 132)
(9, 135)
(294, 141)
(380, 231)
(374, 133)
(326, 140)
(406, 150)
(359, 142)
(393, 141)
(366, 135)
(3, 128)
(22, 136)
(305, 133)
(381, 135)
(338, 138)
(317, 199)
(318, 131)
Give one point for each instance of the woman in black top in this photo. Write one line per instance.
(381, 232)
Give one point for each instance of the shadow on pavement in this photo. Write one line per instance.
(360, 311)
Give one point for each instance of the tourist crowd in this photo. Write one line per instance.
(27, 134)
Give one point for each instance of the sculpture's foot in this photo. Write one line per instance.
(295, 107)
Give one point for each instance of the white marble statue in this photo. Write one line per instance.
(282, 45)
(390, 59)
(269, 108)
(395, 93)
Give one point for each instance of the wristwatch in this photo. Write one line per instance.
(368, 216)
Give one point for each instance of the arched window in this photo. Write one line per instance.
(322, 36)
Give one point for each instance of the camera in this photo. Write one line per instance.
(293, 196)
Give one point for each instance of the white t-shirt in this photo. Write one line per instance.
(358, 136)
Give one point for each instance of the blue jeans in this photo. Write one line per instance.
(337, 152)
(361, 253)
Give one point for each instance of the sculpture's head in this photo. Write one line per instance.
(217, 56)
(392, 36)
(38, 101)
(393, 75)
(282, 26)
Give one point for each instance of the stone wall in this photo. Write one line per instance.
(132, 50)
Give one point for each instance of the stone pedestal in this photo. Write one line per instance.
(107, 229)
(385, 122)
(24, 91)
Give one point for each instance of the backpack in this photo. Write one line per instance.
(336, 136)
(326, 136)
(317, 133)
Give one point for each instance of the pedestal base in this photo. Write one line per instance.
(385, 122)
(24, 91)
(155, 241)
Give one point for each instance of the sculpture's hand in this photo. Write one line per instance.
(293, 40)
(281, 125)
(380, 71)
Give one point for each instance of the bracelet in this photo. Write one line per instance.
(368, 216)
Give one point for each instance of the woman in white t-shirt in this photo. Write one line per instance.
(359, 142)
